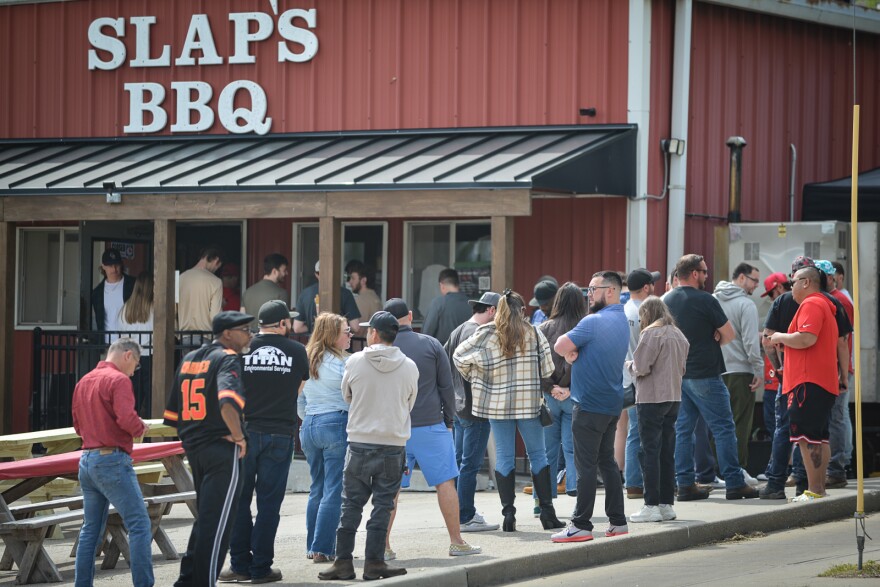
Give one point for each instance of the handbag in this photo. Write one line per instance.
(629, 396)
(543, 413)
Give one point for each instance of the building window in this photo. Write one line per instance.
(48, 277)
(465, 246)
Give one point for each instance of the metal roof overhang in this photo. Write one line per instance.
(575, 160)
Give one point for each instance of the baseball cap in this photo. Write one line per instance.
(383, 322)
(801, 262)
(490, 298)
(772, 281)
(229, 319)
(639, 278)
(825, 267)
(545, 291)
(111, 257)
(396, 307)
(317, 266)
(274, 311)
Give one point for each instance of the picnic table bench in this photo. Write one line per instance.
(24, 537)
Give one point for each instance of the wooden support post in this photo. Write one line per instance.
(330, 278)
(502, 253)
(164, 246)
(7, 322)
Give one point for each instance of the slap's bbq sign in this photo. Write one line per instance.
(148, 109)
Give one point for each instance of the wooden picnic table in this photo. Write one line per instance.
(26, 548)
(61, 440)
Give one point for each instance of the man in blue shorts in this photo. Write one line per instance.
(430, 443)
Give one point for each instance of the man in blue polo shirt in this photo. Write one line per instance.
(596, 348)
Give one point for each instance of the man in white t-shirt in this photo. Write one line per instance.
(111, 294)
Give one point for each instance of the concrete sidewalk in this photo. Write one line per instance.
(421, 542)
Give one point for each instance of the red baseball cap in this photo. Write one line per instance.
(772, 281)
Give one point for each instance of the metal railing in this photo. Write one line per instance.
(62, 357)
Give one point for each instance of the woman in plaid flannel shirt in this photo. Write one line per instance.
(504, 361)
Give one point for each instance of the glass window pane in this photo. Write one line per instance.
(38, 277)
(363, 242)
(307, 248)
(429, 249)
(473, 257)
(70, 277)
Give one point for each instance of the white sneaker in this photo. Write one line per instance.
(478, 524)
(648, 513)
(718, 484)
(667, 512)
(749, 479)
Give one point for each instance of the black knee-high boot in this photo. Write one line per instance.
(507, 492)
(544, 493)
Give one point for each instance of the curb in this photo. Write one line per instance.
(685, 535)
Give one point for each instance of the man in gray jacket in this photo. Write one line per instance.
(381, 385)
(431, 444)
(744, 366)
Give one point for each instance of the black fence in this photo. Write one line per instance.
(62, 357)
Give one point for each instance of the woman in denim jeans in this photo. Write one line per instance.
(325, 417)
(504, 360)
(569, 307)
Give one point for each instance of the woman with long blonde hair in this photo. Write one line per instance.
(325, 416)
(505, 361)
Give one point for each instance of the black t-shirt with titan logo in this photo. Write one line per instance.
(207, 378)
(273, 372)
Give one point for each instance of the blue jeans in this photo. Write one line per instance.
(559, 434)
(471, 439)
(110, 479)
(324, 441)
(840, 434)
(708, 398)
(370, 470)
(532, 434)
(704, 455)
(770, 411)
(264, 469)
(777, 468)
(632, 471)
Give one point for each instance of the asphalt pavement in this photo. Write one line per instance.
(789, 557)
(421, 541)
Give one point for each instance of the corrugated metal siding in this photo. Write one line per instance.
(267, 236)
(381, 64)
(662, 36)
(774, 82)
(570, 239)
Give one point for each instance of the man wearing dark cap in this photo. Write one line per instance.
(110, 295)
(545, 290)
(447, 311)
(381, 385)
(206, 406)
(471, 432)
(308, 306)
(274, 372)
(640, 283)
(431, 444)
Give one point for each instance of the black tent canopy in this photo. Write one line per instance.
(830, 200)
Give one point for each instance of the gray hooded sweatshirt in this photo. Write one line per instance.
(743, 353)
(381, 385)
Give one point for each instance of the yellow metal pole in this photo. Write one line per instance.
(854, 233)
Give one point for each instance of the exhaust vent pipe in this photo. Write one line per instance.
(736, 145)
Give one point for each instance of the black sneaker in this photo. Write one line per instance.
(273, 577)
(744, 492)
(692, 493)
(768, 492)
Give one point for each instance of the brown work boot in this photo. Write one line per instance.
(380, 570)
(342, 570)
(635, 493)
(692, 493)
